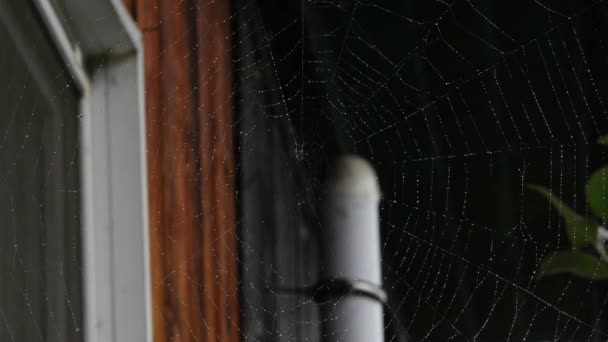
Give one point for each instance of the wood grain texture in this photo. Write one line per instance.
(220, 248)
(191, 169)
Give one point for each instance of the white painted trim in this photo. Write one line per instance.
(71, 55)
(115, 245)
(117, 272)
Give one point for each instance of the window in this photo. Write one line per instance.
(40, 264)
(73, 205)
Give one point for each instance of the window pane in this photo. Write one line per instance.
(40, 296)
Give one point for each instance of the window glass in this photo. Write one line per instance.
(40, 263)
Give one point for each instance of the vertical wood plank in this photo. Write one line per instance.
(219, 245)
(181, 199)
(191, 170)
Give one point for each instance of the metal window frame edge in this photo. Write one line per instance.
(115, 240)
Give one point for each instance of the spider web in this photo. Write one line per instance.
(461, 106)
(40, 264)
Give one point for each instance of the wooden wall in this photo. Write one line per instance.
(191, 168)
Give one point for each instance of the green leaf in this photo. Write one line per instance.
(597, 193)
(580, 264)
(580, 230)
(603, 140)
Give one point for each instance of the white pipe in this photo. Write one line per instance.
(350, 250)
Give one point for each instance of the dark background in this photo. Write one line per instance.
(459, 106)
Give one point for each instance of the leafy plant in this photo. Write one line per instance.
(585, 234)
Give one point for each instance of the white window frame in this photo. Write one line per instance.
(115, 245)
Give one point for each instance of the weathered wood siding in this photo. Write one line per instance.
(191, 168)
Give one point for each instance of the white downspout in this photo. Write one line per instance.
(351, 306)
